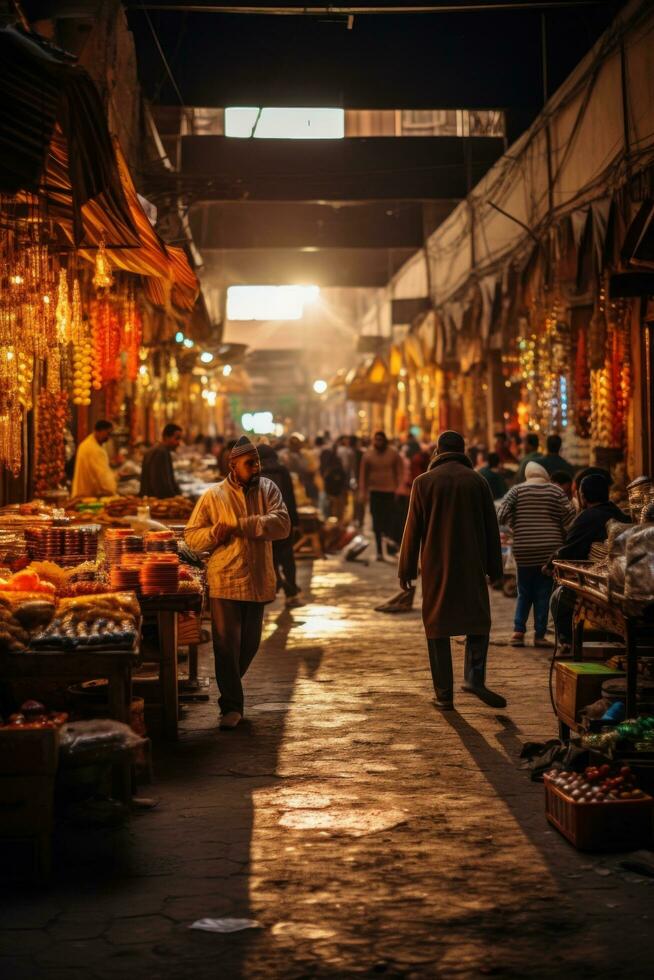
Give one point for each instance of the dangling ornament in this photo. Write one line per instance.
(62, 312)
(102, 277)
(77, 330)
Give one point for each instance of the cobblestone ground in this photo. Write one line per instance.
(366, 832)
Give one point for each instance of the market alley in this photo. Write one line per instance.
(365, 832)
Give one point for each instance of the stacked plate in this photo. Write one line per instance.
(159, 575)
(159, 545)
(45, 543)
(119, 542)
(124, 579)
(89, 541)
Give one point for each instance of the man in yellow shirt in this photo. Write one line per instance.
(93, 476)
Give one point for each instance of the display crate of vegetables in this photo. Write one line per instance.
(599, 809)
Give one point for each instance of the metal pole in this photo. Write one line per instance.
(625, 106)
(548, 137)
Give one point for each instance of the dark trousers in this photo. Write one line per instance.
(284, 561)
(535, 589)
(382, 511)
(474, 665)
(236, 628)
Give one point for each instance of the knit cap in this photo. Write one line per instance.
(243, 447)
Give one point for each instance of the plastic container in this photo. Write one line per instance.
(615, 826)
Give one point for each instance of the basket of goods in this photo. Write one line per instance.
(29, 758)
(599, 809)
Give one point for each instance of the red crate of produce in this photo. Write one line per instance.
(609, 825)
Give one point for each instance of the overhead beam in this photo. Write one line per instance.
(265, 224)
(353, 10)
(378, 168)
(333, 267)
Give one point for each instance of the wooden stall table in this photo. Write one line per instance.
(77, 665)
(610, 613)
(165, 609)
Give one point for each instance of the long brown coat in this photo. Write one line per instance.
(453, 530)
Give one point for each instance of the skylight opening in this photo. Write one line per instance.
(247, 122)
(269, 302)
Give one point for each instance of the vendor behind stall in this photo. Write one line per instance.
(93, 476)
(588, 528)
(157, 475)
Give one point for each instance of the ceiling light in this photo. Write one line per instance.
(320, 386)
(188, 343)
(206, 357)
(227, 370)
(179, 337)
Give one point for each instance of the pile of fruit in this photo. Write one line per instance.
(33, 715)
(596, 784)
(27, 581)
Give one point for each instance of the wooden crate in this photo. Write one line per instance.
(28, 751)
(619, 825)
(578, 684)
(602, 649)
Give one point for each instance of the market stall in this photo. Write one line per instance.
(603, 694)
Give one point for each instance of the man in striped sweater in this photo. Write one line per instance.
(539, 514)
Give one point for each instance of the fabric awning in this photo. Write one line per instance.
(55, 142)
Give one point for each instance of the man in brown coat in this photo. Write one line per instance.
(453, 530)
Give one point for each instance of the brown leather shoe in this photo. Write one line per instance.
(230, 720)
(542, 641)
(518, 640)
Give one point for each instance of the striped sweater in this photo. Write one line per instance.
(539, 514)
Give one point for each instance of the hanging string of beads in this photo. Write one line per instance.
(52, 416)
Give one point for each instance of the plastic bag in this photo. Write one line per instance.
(225, 925)
(97, 740)
(639, 572)
(617, 536)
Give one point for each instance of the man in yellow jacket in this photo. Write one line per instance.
(237, 521)
(93, 476)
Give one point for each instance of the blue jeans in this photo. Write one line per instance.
(535, 589)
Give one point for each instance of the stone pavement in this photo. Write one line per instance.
(368, 834)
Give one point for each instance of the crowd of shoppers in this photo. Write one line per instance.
(439, 506)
